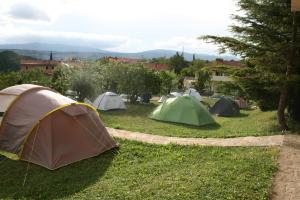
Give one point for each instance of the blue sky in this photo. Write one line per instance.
(117, 25)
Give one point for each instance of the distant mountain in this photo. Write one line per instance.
(49, 47)
(169, 53)
(62, 52)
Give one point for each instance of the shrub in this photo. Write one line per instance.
(82, 84)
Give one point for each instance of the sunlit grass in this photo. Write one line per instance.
(248, 123)
(144, 171)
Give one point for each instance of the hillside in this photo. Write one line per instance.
(42, 51)
(9, 61)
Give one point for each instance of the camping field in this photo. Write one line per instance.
(144, 171)
(248, 123)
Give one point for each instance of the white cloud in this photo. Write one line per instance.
(117, 25)
(32, 11)
(24, 11)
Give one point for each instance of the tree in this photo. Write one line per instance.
(82, 85)
(202, 81)
(8, 79)
(168, 81)
(160, 60)
(194, 67)
(258, 87)
(177, 63)
(152, 82)
(104, 76)
(9, 61)
(133, 80)
(264, 37)
(35, 76)
(61, 79)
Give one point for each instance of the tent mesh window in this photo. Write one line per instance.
(1, 114)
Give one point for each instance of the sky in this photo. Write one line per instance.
(117, 25)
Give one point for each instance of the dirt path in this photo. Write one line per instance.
(276, 140)
(286, 183)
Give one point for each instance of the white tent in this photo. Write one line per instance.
(163, 98)
(86, 100)
(175, 94)
(109, 101)
(124, 97)
(194, 93)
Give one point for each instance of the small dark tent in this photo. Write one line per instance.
(225, 107)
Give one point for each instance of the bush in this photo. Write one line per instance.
(36, 76)
(82, 84)
(203, 81)
(8, 79)
(169, 81)
(133, 80)
(61, 79)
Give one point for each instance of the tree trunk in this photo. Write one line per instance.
(281, 108)
(284, 93)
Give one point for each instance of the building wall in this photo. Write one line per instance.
(47, 66)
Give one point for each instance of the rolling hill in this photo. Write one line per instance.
(62, 52)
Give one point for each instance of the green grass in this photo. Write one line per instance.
(144, 171)
(249, 123)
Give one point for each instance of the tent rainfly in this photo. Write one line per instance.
(41, 126)
(163, 98)
(194, 93)
(225, 107)
(185, 110)
(109, 101)
(241, 103)
(175, 94)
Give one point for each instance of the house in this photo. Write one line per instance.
(220, 67)
(123, 60)
(156, 66)
(188, 82)
(219, 70)
(46, 65)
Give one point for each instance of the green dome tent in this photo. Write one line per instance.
(185, 109)
(225, 107)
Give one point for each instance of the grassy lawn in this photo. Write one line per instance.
(144, 171)
(249, 123)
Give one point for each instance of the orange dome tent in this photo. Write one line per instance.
(41, 126)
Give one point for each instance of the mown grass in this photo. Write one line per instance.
(144, 171)
(248, 123)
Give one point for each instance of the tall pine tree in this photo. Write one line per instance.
(267, 39)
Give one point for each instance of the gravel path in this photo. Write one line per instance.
(276, 140)
(286, 183)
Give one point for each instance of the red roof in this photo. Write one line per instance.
(39, 62)
(124, 60)
(230, 63)
(157, 67)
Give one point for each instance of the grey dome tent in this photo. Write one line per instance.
(225, 107)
